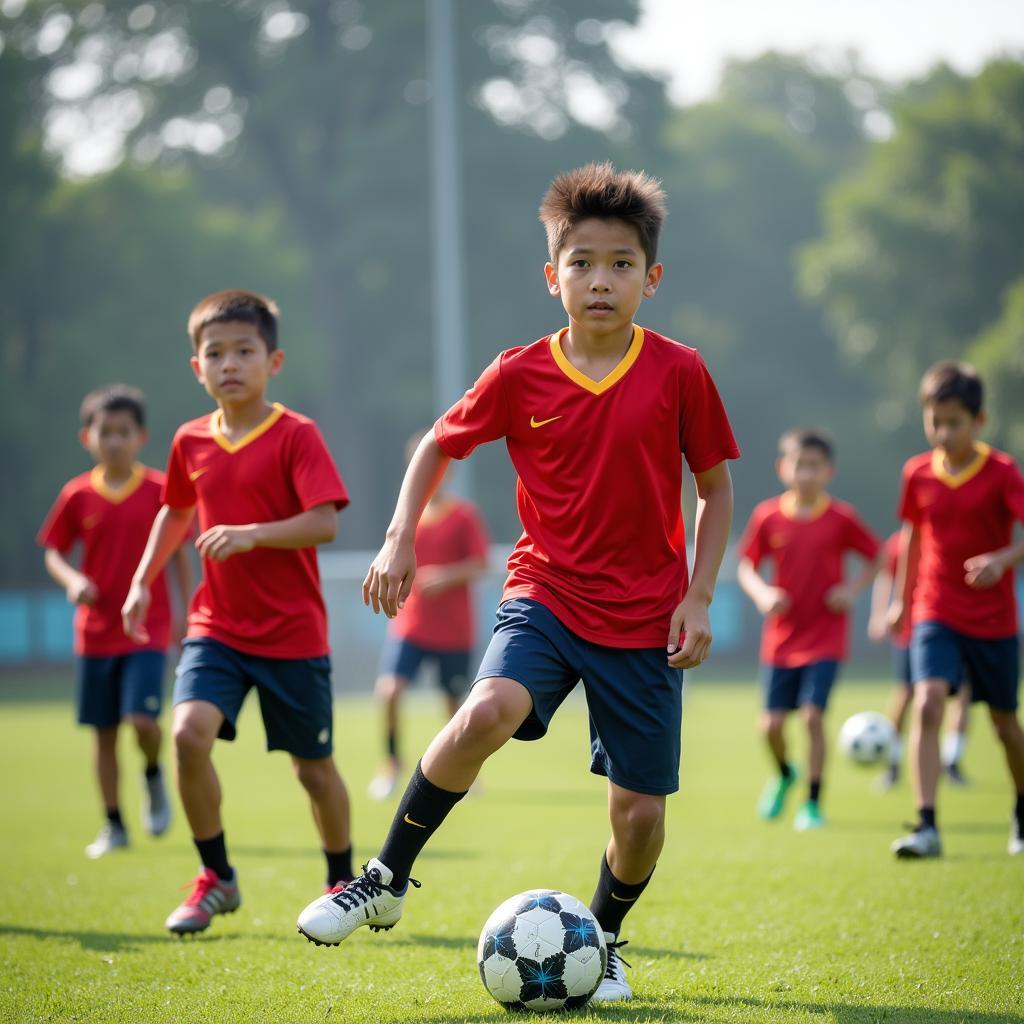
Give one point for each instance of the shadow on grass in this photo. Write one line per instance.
(110, 942)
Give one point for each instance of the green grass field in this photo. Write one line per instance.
(744, 922)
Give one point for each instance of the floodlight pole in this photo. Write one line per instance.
(449, 308)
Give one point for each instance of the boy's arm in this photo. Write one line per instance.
(910, 547)
(79, 588)
(983, 571)
(167, 534)
(881, 592)
(181, 566)
(768, 599)
(317, 525)
(435, 579)
(841, 597)
(711, 535)
(390, 576)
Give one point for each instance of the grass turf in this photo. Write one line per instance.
(744, 921)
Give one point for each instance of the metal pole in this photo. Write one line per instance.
(449, 311)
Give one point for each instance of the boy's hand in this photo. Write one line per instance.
(840, 598)
(221, 542)
(82, 590)
(691, 620)
(433, 580)
(895, 615)
(983, 571)
(133, 613)
(774, 601)
(389, 580)
(878, 628)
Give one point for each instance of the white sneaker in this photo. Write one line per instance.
(922, 842)
(111, 837)
(1015, 846)
(156, 808)
(367, 900)
(383, 786)
(614, 987)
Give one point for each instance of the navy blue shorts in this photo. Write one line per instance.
(901, 665)
(634, 697)
(110, 689)
(295, 694)
(992, 667)
(786, 689)
(404, 658)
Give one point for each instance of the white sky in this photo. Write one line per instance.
(896, 39)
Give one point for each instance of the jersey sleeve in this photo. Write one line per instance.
(314, 475)
(859, 537)
(178, 491)
(752, 544)
(474, 538)
(481, 415)
(61, 527)
(1014, 493)
(705, 434)
(908, 509)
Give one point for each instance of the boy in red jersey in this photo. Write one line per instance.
(806, 534)
(596, 417)
(959, 503)
(902, 697)
(110, 511)
(267, 493)
(436, 623)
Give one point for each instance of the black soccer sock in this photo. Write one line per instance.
(114, 817)
(785, 768)
(153, 770)
(422, 809)
(214, 854)
(393, 744)
(339, 866)
(927, 815)
(614, 899)
(1019, 812)
(814, 790)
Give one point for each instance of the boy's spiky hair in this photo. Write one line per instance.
(598, 190)
(948, 380)
(114, 398)
(235, 304)
(800, 438)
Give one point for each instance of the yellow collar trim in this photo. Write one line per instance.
(969, 472)
(115, 495)
(217, 432)
(789, 507)
(597, 387)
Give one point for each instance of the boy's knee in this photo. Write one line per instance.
(191, 740)
(813, 716)
(929, 706)
(637, 820)
(387, 688)
(486, 718)
(315, 776)
(1006, 725)
(144, 725)
(771, 723)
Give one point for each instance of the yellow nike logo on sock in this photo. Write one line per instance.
(409, 821)
(534, 422)
(624, 899)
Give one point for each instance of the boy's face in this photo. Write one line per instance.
(951, 426)
(807, 471)
(233, 364)
(602, 275)
(114, 439)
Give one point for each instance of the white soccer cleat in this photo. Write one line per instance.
(921, 843)
(613, 988)
(367, 900)
(111, 837)
(383, 786)
(1015, 847)
(156, 807)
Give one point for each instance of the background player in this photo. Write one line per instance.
(959, 503)
(109, 511)
(595, 417)
(436, 625)
(267, 493)
(806, 534)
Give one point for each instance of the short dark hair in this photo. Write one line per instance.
(598, 190)
(114, 398)
(952, 381)
(800, 438)
(235, 304)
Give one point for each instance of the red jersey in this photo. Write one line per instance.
(113, 526)
(266, 601)
(892, 559)
(807, 553)
(599, 477)
(958, 516)
(443, 622)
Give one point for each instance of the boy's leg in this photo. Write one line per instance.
(148, 737)
(781, 688)
(142, 681)
(388, 690)
(112, 835)
(955, 740)
(815, 690)
(1011, 736)
(328, 799)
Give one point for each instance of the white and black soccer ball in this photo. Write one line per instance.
(867, 737)
(542, 950)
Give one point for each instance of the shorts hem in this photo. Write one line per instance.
(634, 787)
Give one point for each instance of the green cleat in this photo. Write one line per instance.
(808, 817)
(773, 796)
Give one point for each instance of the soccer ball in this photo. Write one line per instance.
(542, 950)
(867, 737)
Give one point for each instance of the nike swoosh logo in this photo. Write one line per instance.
(197, 473)
(540, 423)
(409, 821)
(623, 900)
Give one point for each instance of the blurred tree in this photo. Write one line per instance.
(923, 244)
